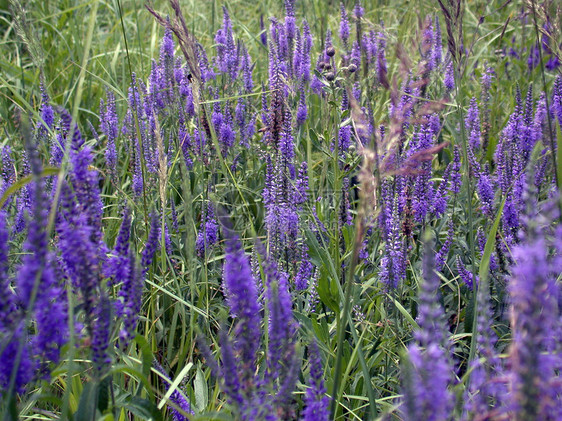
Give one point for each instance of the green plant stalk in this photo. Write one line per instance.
(343, 321)
(553, 149)
(136, 117)
(468, 183)
(483, 283)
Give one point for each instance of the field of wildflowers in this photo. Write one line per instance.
(280, 210)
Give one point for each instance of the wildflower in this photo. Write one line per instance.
(344, 25)
(427, 374)
(316, 403)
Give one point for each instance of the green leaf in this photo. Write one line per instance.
(143, 409)
(88, 402)
(559, 157)
(404, 312)
(175, 384)
(47, 172)
(201, 391)
(103, 395)
(147, 356)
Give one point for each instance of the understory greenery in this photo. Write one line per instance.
(264, 210)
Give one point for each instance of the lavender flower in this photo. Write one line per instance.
(227, 55)
(316, 403)
(393, 262)
(109, 127)
(180, 406)
(130, 296)
(472, 124)
(47, 114)
(7, 305)
(263, 33)
(305, 271)
(443, 253)
(8, 171)
(39, 293)
(486, 392)
(449, 80)
(344, 25)
(534, 309)
(151, 243)
(466, 276)
(208, 234)
(302, 112)
(437, 51)
(16, 349)
(486, 192)
(428, 374)
(456, 176)
(101, 336)
(242, 299)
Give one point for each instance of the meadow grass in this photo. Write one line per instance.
(364, 329)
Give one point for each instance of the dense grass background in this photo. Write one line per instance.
(79, 50)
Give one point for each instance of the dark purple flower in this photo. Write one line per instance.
(101, 338)
(116, 266)
(449, 78)
(152, 243)
(37, 288)
(466, 276)
(302, 111)
(130, 300)
(263, 33)
(393, 262)
(227, 55)
(80, 253)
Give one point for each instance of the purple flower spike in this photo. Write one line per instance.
(533, 356)
(316, 401)
(242, 298)
(466, 276)
(151, 243)
(302, 111)
(449, 80)
(472, 124)
(47, 114)
(207, 236)
(428, 373)
(344, 25)
(109, 126)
